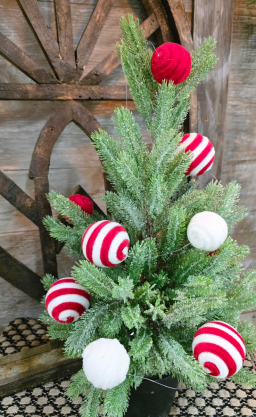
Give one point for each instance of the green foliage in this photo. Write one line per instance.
(141, 345)
(84, 330)
(131, 316)
(117, 399)
(156, 299)
(93, 279)
(123, 291)
(92, 399)
(135, 58)
(47, 281)
(78, 385)
(142, 259)
(244, 377)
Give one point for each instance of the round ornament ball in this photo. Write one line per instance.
(202, 150)
(171, 62)
(219, 348)
(84, 202)
(66, 300)
(105, 243)
(207, 231)
(105, 363)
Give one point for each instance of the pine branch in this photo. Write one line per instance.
(123, 291)
(91, 403)
(84, 330)
(131, 316)
(180, 364)
(244, 377)
(47, 281)
(141, 345)
(117, 399)
(247, 331)
(78, 385)
(93, 279)
(142, 259)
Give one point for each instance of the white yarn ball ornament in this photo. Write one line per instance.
(207, 231)
(105, 363)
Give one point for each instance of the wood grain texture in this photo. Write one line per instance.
(92, 31)
(214, 20)
(18, 198)
(36, 19)
(20, 276)
(47, 242)
(24, 62)
(28, 369)
(164, 32)
(64, 31)
(22, 91)
(111, 61)
(181, 22)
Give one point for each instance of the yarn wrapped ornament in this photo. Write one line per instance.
(82, 201)
(171, 62)
(219, 348)
(105, 363)
(207, 231)
(66, 300)
(202, 150)
(105, 243)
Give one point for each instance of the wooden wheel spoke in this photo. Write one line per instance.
(154, 6)
(22, 91)
(65, 32)
(35, 17)
(92, 31)
(20, 276)
(18, 198)
(181, 22)
(24, 62)
(111, 61)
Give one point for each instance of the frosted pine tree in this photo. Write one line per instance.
(155, 300)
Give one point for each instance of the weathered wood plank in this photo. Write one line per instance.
(92, 31)
(111, 61)
(183, 27)
(47, 242)
(24, 62)
(35, 17)
(163, 34)
(20, 276)
(22, 91)
(64, 31)
(36, 367)
(18, 198)
(214, 20)
(181, 22)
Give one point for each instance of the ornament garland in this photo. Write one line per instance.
(105, 243)
(66, 300)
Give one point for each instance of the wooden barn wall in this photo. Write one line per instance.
(74, 161)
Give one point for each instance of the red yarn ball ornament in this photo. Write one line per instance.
(171, 62)
(82, 201)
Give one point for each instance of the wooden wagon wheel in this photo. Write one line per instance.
(66, 82)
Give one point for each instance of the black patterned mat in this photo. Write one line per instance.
(220, 399)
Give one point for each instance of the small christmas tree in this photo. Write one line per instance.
(156, 299)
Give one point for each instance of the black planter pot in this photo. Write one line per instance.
(152, 400)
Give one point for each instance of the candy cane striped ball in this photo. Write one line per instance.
(219, 348)
(203, 152)
(66, 300)
(105, 243)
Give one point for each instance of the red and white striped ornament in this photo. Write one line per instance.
(105, 243)
(66, 300)
(203, 152)
(219, 348)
